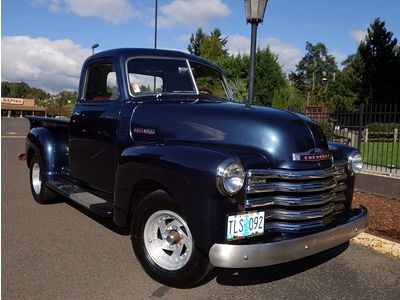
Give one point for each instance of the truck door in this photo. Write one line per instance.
(94, 123)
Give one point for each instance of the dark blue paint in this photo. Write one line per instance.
(176, 141)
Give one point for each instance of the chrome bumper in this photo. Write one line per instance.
(259, 255)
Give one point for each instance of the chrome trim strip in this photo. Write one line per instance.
(340, 197)
(259, 255)
(298, 227)
(293, 201)
(299, 215)
(292, 175)
(192, 76)
(341, 177)
(339, 207)
(291, 187)
(341, 186)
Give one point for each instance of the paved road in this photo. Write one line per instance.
(59, 252)
(380, 185)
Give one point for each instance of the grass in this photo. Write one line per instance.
(381, 153)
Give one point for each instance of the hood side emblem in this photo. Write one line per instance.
(315, 154)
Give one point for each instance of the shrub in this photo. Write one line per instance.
(382, 127)
(327, 128)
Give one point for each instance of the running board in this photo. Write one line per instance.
(81, 196)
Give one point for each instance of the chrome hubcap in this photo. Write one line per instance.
(36, 182)
(168, 240)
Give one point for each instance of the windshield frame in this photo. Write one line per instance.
(187, 61)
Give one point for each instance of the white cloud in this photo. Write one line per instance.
(358, 35)
(288, 55)
(114, 11)
(191, 13)
(339, 58)
(50, 65)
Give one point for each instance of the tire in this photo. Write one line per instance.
(164, 245)
(40, 192)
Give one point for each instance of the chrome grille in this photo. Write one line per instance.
(297, 201)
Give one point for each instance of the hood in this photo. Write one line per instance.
(274, 134)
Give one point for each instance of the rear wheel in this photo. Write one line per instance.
(39, 190)
(164, 244)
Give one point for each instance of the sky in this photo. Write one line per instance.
(44, 42)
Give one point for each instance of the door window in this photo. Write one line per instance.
(101, 83)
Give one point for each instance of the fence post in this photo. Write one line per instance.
(395, 135)
(366, 135)
(360, 125)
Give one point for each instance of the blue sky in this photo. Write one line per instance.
(44, 42)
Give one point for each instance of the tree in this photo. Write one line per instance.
(22, 90)
(195, 42)
(212, 46)
(239, 89)
(269, 76)
(345, 92)
(314, 73)
(288, 97)
(379, 54)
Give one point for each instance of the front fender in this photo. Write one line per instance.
(187, 173)
(52, 146)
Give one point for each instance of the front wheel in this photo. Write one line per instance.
(40, 192)
(164, 244)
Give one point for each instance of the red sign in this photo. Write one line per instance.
(15, 101)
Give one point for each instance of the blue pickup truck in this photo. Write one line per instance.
(157, 142)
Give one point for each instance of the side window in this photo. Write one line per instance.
(209, 81)
(101, 83)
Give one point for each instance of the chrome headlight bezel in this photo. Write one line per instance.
(355, 162)
(230, 177)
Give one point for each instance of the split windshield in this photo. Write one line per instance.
(162, 75)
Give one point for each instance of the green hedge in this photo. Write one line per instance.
(382, 127)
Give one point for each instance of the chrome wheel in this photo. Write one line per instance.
(168, 240)
(36, 182)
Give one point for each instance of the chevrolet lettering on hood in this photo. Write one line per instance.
(312, 155)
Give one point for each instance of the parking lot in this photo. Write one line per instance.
(59, 251)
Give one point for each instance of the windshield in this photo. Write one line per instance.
(163, 75)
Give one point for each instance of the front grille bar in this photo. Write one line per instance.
(299, 215)
(292, 187)
(292, 201)
(256, 175)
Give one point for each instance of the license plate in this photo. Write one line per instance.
(245, 225)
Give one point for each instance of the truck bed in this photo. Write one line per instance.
(47, 122)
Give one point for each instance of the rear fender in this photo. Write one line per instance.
(52, 146)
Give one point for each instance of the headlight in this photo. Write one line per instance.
(355, 162)
(230, 177)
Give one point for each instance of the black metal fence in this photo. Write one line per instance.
(373, 129)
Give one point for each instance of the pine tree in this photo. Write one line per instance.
(382, 65)
(195, 42)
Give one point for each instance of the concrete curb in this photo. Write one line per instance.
(378, 244)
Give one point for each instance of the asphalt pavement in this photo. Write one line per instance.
(379, 185)
(61, 252)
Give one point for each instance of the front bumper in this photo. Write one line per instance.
(260, 255)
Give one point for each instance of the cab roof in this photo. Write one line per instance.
(125, 53)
